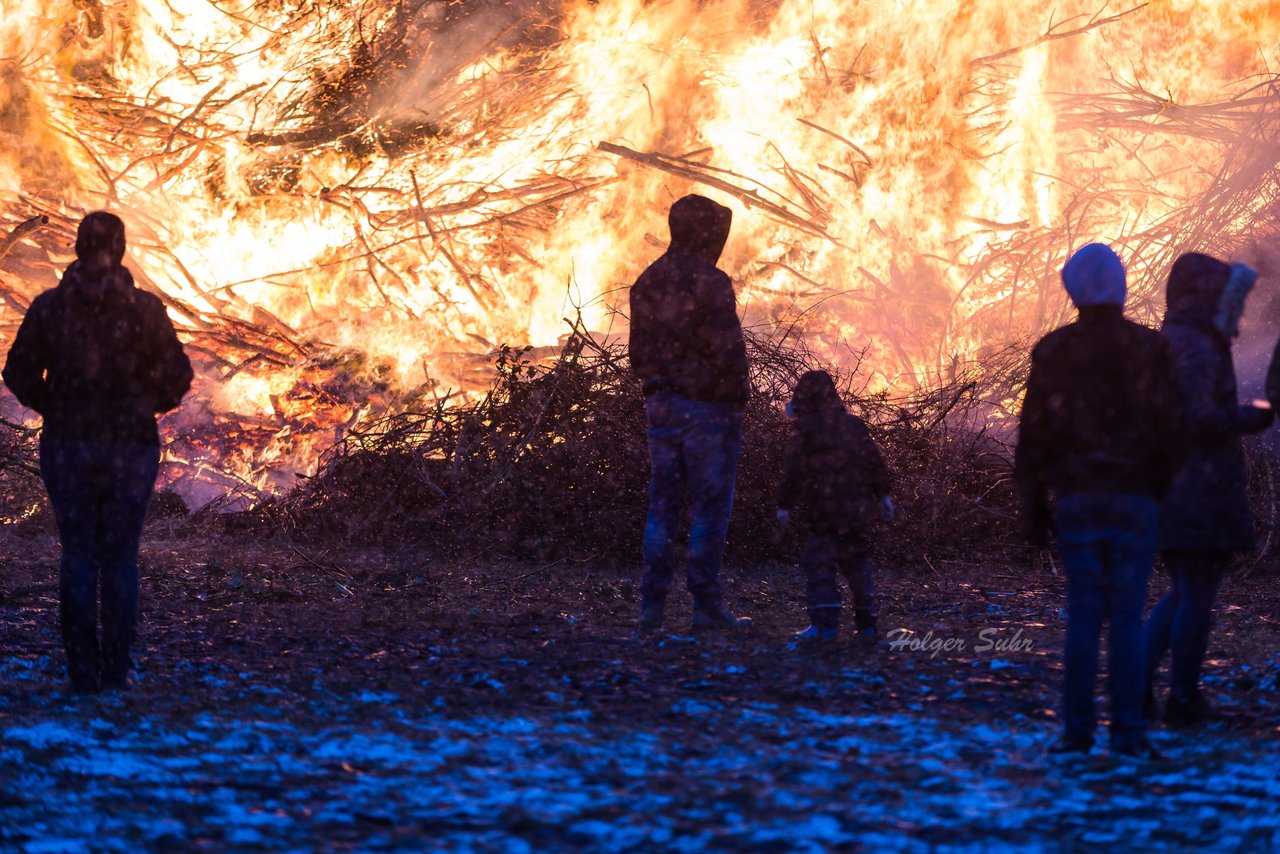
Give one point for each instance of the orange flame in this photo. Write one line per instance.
(348, 206)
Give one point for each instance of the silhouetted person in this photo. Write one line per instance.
(1101, 431)
(98, 358)
(1205, 518)
(686, 345)
(835, 479)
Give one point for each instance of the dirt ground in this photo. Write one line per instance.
(294, 697)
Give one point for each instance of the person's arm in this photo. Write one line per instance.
(1168, 427)
(874, 470)
(24, 370)
(1195, 363)
(725, 349)
(637, 335)
(1030, 461)
(170, 374)
(792, 462)
(877, 470)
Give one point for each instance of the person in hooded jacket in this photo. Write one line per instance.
(98, 358)
(1205, 518)
(686, 345)
(835, 480)
(1101, 429)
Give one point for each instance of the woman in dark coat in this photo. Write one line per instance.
(98, 358)
(1205, 517)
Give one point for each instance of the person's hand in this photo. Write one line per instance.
(784, 516)
(887, 510)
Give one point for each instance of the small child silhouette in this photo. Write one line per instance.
(836, 482)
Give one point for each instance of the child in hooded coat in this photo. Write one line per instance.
(836, 482)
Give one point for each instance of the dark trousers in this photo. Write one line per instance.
(1181, 622)
(693, 454)
(1108, 543)
(99, 492)
(826, 556)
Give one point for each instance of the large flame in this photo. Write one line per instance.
(347, 204)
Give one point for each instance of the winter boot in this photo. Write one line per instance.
(650, 617)
(1187, 713)
(718, 619)
(1140, 749)
(1150, 705)
(816, 634)
(866, 624)
(823, 626)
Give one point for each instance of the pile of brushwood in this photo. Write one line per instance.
(22, 494)
(553, 462)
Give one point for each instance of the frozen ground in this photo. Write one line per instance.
(389, 729)
(372, 771)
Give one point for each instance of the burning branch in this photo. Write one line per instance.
(697, 172)
(1054, 33)
(20, 231)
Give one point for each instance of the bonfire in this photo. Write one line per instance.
(353, 210)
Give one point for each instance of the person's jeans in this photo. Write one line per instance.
(99, 493)
(824, 555)
(1108, 543)
(693, 452)
(1182, 620)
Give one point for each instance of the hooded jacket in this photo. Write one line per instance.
(685, 335)
(97, 357)
(1101, 414)
(833, 474)
(1207, 506)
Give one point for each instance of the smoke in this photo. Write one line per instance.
(28, 159)
(1260, 326)
(432, 41)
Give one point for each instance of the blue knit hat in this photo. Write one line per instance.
(1094, 276)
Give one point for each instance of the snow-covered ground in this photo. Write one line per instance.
(371, 770)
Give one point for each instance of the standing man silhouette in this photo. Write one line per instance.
(98, 358)
(686, 345)
(1101, 431)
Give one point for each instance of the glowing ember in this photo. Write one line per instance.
(349, 205)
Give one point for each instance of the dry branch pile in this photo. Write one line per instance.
(553, 462)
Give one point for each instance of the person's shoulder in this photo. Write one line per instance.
(853, 422)
(1140, 331)
(147, 303)
(712, 283)
(45, 308)
(1140, 337)
(44, 301)
(1055, 341)
(1182, 336)
(654, 268)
